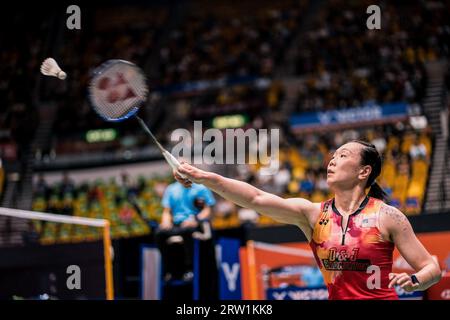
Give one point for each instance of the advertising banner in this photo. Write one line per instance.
(310, 121)
(297, 293)
(229, 269)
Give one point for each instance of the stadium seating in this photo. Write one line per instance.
(132, 210)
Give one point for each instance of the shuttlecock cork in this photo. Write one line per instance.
(50, 68)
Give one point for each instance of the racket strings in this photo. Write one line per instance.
(118, 90)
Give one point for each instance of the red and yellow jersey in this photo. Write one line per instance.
(354, 259)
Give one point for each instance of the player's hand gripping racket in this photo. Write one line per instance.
(117, 90)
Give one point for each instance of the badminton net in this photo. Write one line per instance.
(44, 225)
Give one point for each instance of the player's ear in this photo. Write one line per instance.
(365, 172)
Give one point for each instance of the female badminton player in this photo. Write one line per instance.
(352, 235)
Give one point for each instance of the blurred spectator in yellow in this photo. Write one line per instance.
(403, 166)
(281, 180)
(67, 185)
(417, 150)
(379, 142)
(248, 216)
(224, 208)
(41, 189)
(321, 183)
(307, 184)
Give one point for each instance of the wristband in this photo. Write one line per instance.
(414, 279)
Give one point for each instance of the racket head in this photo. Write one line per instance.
(117, 89)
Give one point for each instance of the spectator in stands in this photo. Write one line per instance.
(41, 189)
(311, 153)
(185, 210)
(67, 185)
(129, 186)
(125, 180)
(316, 159)
(403, 166)
(395, 151)
(95, 194)
(247, 216)
(321, 183)
(379, 142)
(281, 180)
(53, 204)
(417, 150)
(307, 184)
(126, 213)
(67, 207)
(224, 208)
(387, 189)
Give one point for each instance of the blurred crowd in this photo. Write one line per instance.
(218, 44)
(346, 65)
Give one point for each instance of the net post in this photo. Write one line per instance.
(107, 247)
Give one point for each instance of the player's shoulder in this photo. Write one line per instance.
(308, 208)
(389, 210)
(321, 206)
(392, 216)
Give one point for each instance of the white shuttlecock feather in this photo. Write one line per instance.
(50, 68)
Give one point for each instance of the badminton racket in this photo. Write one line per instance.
(117, 90)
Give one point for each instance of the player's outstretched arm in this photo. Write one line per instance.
(294, 211)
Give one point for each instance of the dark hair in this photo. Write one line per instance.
(371, 157)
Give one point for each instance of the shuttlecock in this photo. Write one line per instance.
(50, 68)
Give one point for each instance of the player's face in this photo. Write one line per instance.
(345, 165)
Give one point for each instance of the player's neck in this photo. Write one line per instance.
(348, 201)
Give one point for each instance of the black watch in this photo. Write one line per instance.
(414, 279)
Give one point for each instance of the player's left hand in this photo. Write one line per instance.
(191, 173)
(403, 280)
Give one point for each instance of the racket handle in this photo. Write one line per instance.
(172, 161)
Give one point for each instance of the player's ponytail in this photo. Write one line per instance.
(377, 192)
(371, 157)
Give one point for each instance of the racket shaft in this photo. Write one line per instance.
(171, 160)
(146, 129)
